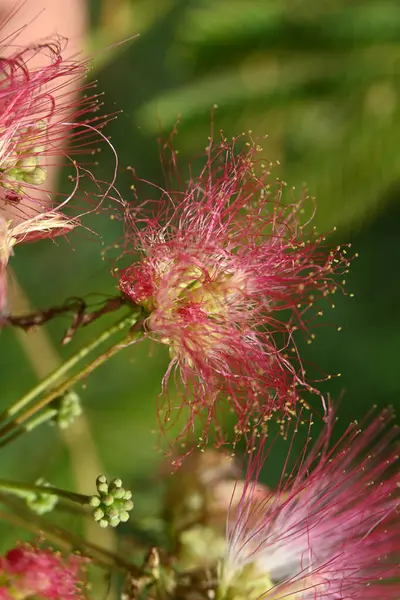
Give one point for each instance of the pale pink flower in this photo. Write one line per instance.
(30, 572)
(330, 531)
(42, 123)
(226, 273)
(39, 114)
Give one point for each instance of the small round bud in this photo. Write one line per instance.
(98, 514)
(127, 505)
(102, 488)
(114, 522)
(124, 516)
(118, 493)
(116, 483)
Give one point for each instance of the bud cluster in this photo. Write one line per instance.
(68, 409)
(20, 158)
(41, 502)
(112, 504)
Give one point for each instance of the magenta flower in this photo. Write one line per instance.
(30, 572)
(226, 274)
(330, 531)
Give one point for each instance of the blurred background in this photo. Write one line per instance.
(320, 78)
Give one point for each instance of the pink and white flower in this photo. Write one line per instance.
(42, 122)
(330, 531)
(39, 115)
(226, 274)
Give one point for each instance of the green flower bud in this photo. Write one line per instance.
(41, 502)
(124, 516)
(20, 155)
(36, 177)
(68, 409)
(103, 523)
(98, 514)
(112, 502)
(28, 164)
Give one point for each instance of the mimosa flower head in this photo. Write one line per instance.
(27, 571)
(44, 121)
(40, 115)
(331, 529)
(226, 274)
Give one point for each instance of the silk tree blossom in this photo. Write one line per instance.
(330, 531)
(39, 115)
(226, 274)
(30, 572)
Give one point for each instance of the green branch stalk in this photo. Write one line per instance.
(22, 419)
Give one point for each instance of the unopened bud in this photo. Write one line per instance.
(112, 504)
(36, 177)
(68, 409)
(41, 502)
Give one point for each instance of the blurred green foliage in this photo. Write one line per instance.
(321, 79)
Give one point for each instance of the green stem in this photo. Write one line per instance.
(44, 417)
(24, 489)
(71, 381)
(67, 366)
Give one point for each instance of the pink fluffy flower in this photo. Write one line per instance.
(30, 572)
(226, 273)
(42, 123)
(39, 114)
(330, 531)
